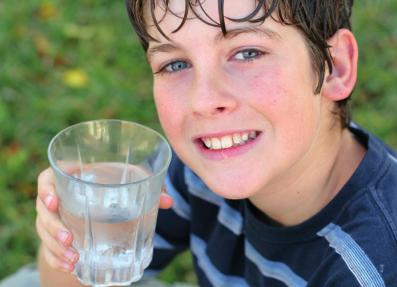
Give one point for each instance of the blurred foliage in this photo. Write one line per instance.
(374, 103)
(65, 62)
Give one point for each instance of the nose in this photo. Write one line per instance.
(211, 95)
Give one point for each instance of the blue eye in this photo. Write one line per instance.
(248, 54)
(176, 66)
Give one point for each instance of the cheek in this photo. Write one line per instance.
(287, 102)
(268, 93)
(169, 105)
(163, 108)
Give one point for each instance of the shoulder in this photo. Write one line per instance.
(362, 241)
(383, 190)
(359, 254)
(377, 175)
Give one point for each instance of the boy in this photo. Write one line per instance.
(272, 185)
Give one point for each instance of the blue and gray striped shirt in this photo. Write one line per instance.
(351, 242)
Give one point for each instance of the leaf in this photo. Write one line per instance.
(14, 148)
(42, 45)
(47, 11)
(78, 32)
(75, 78)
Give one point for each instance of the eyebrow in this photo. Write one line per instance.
(266, 32)
(166, 47)
(232, 33)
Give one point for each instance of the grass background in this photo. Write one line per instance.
(63, 62)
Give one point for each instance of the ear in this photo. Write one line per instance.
(344, 51)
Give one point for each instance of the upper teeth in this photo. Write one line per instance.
(228, 140)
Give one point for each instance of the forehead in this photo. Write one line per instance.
(209, 8)
(170, 14)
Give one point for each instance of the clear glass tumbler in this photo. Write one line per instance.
(109, 175)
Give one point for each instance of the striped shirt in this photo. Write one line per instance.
(351, 242)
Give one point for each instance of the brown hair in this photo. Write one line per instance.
(317, 20)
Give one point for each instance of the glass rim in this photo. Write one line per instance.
(56, 168)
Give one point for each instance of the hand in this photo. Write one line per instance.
(56, 238)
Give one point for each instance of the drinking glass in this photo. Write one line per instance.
(109, 175)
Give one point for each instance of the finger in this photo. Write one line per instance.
(46, 189)
(55, 262)
(165, 200)
(67, 255)
(53, 224)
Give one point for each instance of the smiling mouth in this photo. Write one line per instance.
(228, 141)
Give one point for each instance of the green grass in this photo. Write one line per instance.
(69, 61)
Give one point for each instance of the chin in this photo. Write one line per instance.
(229, 191)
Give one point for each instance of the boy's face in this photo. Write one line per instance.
(256, 82)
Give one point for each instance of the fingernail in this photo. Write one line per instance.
(166, 195)
(63, 235)
(71, 256)
(48, 200)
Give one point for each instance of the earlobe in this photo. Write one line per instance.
(344, 51)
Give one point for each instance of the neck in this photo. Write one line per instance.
(313, 183)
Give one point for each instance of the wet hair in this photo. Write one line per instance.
(317, 20)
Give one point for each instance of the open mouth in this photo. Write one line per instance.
(228, 141)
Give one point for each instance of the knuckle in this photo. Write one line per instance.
(41, 214)
(50, 258)
(54, 253)
(56, 250)
(43, 183)
(44, 236)
(41, 176)
(48, 226)
(52, 230)
(57, 264)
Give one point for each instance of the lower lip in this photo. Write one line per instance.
(227, 153)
